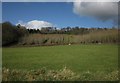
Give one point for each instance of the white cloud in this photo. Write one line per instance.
(101, 9)
(95, 0)
(35, 24)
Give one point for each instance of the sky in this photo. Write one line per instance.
(58, 0)
(58, 14)
(0, 12)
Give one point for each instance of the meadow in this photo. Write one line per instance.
(78, 58)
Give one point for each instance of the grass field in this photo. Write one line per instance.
(75, 57)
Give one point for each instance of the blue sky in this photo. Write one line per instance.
(58, 13)
(0, 12)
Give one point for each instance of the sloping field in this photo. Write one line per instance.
(76, 57)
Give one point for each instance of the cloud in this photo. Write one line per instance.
(100, 10)
(35, 24)
(95, 0)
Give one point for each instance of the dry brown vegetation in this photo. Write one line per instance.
(103, 36)
(64, 74)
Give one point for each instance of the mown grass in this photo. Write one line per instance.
(76, 57)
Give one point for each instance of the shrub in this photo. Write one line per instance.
(64, 74)
(38, 75)
(11, 33)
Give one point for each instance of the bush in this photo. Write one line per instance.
(38, 75)
(11, 33)
(64, 74)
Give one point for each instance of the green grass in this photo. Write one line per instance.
(78, 58)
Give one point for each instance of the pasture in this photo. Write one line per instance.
(75, 57)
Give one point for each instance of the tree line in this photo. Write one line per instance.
(11, 34)
(66, 30)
